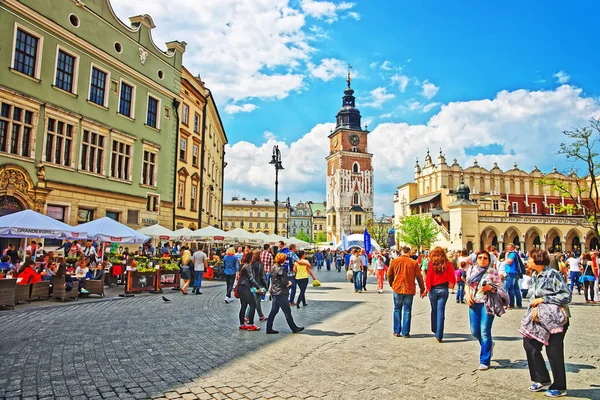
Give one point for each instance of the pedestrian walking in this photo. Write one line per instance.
(328, 259)
(461, 278)
(258, 270)
(588, 278)
(574, 272)
(480, 278)
(439, 279)
(513, 269)
(231, 266)
(302, 270)
(380, 269)
(246, 282)
(401, 275)
(266, 258)
(550, 292)
(355, 264)
(200, 260)
(279, 289)
(319, 260)
(185, 273)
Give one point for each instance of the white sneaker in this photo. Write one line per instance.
(483, 367)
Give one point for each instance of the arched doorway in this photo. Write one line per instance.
(556, 244)
(594, 245)
(537, 243)
(576, 244)
(553, 241)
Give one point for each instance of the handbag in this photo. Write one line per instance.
(316, 283)
(236, 292)
(349, 274)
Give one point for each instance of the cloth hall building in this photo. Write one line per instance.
(475, 207)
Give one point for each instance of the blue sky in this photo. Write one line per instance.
(485, 80)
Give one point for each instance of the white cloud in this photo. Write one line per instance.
(354, 15)
(377, 97)
(269, 135)
(373, 64)
(243, 49)
(386, 66)
(327, 10)
(519, 120)
(430, 106)
(329, 68)
(234, 108)
(429, 89)
(561, 77)
(414, 105)
(386, 116)
(401, 81)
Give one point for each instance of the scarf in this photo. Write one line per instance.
(476, 275)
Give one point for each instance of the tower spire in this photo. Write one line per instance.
(349, 79)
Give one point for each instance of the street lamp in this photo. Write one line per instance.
(289, 214)
(276, 161)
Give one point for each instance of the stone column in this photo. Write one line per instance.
(500, 246)
(563, 244)
(543, 245)
(582, 241)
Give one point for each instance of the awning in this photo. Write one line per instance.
(424, 199)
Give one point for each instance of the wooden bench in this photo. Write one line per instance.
(94, 287)
(23, 293)
(59, 291)
(40, 289)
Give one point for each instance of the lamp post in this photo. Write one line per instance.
(289, 215)
(276, 161)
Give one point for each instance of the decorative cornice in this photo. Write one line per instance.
(545, 220)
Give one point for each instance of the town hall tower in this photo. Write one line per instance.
(349, 172)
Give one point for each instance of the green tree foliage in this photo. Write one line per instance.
(320, 237)
(581, 149)
(417, 231)
(305, 237)
(378, 228)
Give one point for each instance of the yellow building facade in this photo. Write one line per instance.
(255, 216)
(200, 157)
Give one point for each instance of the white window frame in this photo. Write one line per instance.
(534, 208)
(106, 86)
(185, 114)
(193, 197)
(133, 93)
(495, 205)
(515, 207)
(155, 151)
(65, 119)
(196, 128)
(91, 128)
(157, 197)
(38, 55)
(158, 113)
(552, 209)
(75, 68)
(195, 148)
(123, 139)
(180, 195)
(185, 149)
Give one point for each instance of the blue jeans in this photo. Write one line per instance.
(198, 282)
(402, 325)
(514, 291)
(438, 296)
(319, 264)
(460, 291)
(574, 278)
(292, 288)
(357, 280)
(328, 263)
(481, 327)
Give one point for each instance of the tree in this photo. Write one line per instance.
(583, 192)
(305, 237)
(378, 228)
(417, 231)
(320, 237)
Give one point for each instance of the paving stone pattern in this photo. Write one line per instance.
(191, 348)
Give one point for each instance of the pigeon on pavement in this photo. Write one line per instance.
(165, 299)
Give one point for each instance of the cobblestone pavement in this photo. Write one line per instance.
(191, 348)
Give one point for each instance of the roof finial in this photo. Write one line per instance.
(349, 79)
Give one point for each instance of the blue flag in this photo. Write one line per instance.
(367, 239)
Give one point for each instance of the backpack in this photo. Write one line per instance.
(520, 267)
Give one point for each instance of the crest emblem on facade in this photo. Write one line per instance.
(143, 55)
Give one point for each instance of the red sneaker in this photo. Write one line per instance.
(244, 327)
(263, 318)
(253, 328)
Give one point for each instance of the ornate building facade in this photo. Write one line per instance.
(255, 215)
(495, 207)
(200, 157)
(300, 220)
(349, 172)
(87, 113)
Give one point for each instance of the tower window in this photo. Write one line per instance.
(355, 149)
(355, 199)
(533, 208)
(355, 168)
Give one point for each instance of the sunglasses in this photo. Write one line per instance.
(483, 258)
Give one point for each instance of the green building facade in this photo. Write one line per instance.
(88, 113)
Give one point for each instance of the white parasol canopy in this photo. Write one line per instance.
(108, 230)
(157, 231)
(358, 240)
(32, 224)
(209, 234)
(182, 234)
(301, 244)
(242, 236)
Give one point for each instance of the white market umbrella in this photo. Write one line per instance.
(209, 234)
(182, 234)
(242, 235)
(108, 230)
(32, 224)
(157, 231)
(301, 244)
(263, 238)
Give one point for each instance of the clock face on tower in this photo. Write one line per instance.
(354, 139)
